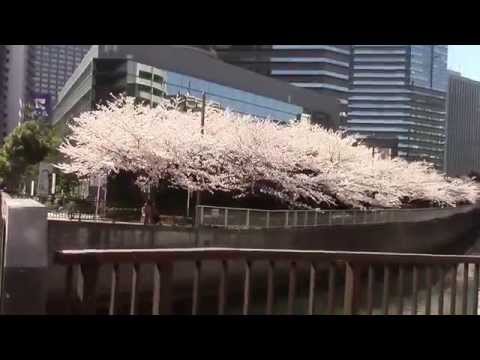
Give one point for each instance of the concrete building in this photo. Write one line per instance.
(152, 72)
(398, 92)
(463, 126)
(33, 74)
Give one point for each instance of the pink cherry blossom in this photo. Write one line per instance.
(302, 164)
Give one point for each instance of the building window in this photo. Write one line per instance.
(144, 88)
(158, 79)
(144, 75)
(158, 92)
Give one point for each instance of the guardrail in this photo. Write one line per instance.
(242, 218)
(407, 283)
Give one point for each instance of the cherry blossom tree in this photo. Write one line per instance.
(301, 164)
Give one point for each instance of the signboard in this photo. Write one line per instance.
(41, 105)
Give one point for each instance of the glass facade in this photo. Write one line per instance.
(429, 66)
(322, 68)
(230, 98)
(398, 92)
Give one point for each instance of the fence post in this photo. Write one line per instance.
(25, 257)
(247, 220)
(268, 220)
(286, 219)
(89, 273)
(352, 288)
(295, 218)
(316, 218)
(162, 297)
(226, 217)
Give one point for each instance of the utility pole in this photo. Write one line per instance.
(204, 98)
(202, 131)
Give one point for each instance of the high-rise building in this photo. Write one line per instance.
(4, 61)
(324, 68)
(52, 65)
(398, 92)
(463, 126)
(34, 75)
(17, 88)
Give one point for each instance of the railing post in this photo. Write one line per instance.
(268, 220)
(316, 218)
(199, 216)
(162, 298)
(247, 220)
(295, 218)
(286, 219)
(352, 288)
(90, 278)
(305, 220)
(226, 218)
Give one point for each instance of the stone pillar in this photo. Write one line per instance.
(25, 263)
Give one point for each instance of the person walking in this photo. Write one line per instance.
(147, 213)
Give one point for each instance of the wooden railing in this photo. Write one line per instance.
(345, 282)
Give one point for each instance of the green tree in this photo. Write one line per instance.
(29, 144)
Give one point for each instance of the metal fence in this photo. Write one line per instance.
(241, 218)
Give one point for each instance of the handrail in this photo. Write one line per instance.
(334, 210)
(103, 256)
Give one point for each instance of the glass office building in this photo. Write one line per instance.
(97, 77)
(236, 100)
(398, 92)
(323, 68)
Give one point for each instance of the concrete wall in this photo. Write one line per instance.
(24, 257)
(423, 236)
